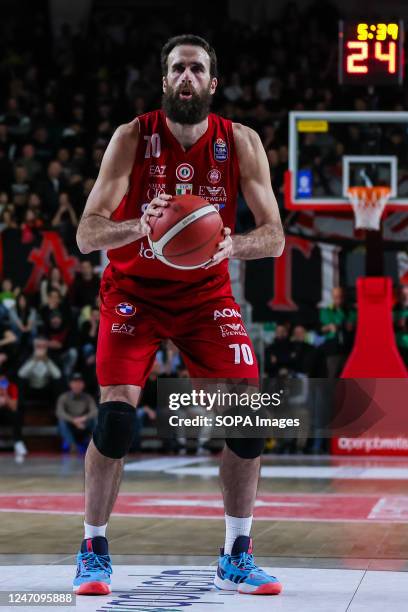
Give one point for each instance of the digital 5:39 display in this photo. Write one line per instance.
(371, 53)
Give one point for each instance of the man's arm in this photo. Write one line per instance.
(96, 230)
(267, 239)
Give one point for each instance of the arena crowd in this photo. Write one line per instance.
(61, 99)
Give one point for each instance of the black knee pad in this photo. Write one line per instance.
(115, 429)
(246, 448)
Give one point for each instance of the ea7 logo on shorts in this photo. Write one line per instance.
(123, 328)
(124, 309)
(227, 312)
(232, 329)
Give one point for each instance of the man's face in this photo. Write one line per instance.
(299, 333)
(188, 87)
(53, 299)
(86, 269)
(338, 297)
(281, 332)
(76, 386)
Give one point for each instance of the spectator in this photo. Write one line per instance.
(8, 218)
(54, 302)
(169, 358)
(65, 219)
(23, 322)
(401, 322)
(29, 162)
(85, 287)
(40, 375)
(277, 354)
(303, 354)
(8, 293)
(76, 413)
(54, 280)
(88, 336)
(10, 414)
(30, 226)
(52, 186)
(337, 324)
(60, 335)
(8, 347)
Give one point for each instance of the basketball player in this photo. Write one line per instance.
(182, 148)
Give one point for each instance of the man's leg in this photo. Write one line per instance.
(112, 439)
(239, 482)
(103, 474)
(218, 347)
(66, 433)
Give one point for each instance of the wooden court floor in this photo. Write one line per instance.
(346, 513)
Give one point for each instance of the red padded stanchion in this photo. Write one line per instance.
(375, 354)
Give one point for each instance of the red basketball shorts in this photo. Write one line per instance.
(205, 325)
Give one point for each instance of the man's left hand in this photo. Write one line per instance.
(224, 249)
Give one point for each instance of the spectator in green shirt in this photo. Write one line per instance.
(401, 322)
(337, 324)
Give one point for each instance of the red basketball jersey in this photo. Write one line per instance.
(208, 169)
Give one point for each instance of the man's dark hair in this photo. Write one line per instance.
(188, 39)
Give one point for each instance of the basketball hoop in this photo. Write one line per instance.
(368, 204)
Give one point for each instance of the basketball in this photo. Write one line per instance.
(186, 236)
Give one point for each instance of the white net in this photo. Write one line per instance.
(368, 204)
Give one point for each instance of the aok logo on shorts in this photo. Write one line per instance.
(227, 312)
(124, 309)
(232, 329)
(123, 328)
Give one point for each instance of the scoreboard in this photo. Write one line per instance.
(371, 53)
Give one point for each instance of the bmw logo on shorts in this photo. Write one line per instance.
(125, 309)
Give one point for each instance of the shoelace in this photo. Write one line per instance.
(244, 561)
(94, 562)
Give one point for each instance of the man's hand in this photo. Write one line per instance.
(154, 209)
(224, 250)
(79, 422)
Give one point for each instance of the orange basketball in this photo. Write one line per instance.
(186, 236)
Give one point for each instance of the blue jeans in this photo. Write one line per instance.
(70, 433)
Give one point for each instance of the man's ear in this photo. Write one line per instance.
(164, 84)
(214, 83)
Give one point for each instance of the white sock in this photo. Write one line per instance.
(234, 527)
(91, 531)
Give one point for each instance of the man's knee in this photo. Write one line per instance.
(115, 429)
(246, 448)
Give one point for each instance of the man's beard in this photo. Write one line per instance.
(186, 112)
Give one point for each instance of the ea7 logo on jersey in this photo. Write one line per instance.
(157, 170)
(123, 328)
(227, 312)
(232, 329)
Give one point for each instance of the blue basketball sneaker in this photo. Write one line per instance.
(238, 572)
(94, 568)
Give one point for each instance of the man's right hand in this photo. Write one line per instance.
(154, 209)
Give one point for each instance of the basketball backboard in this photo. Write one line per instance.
(329, 152)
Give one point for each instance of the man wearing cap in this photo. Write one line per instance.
(76, 413)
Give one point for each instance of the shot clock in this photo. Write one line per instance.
(371, 53)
